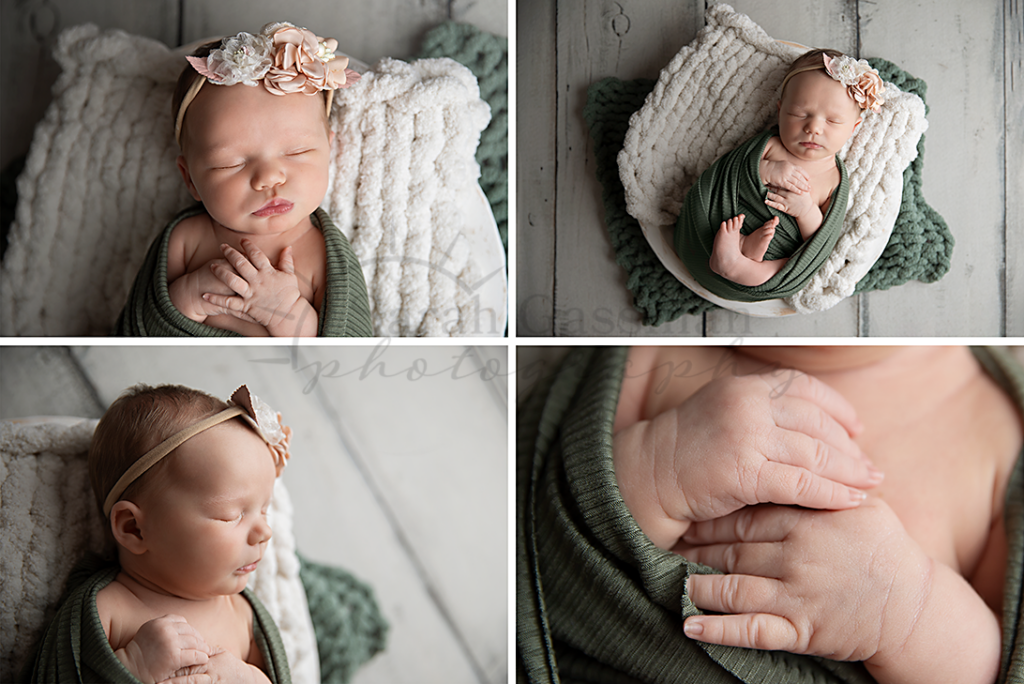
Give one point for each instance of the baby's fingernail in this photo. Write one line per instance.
(856, 495)
(693, 627)
(875, 476)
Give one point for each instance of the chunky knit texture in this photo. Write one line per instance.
(486, 55)
(729, 54)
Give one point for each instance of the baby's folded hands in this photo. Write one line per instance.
(261, 292)
(163, 647)
(781, 437)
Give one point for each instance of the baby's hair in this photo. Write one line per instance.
(189, 75)
(809, 58)
(137, 421)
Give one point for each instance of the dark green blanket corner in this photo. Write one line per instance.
(920, 247)
(344, 311)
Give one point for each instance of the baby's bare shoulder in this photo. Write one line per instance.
(120, 612)
(189, 232)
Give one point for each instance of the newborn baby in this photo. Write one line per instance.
(251, 119)
(797, 174)
(888, 572)
(184, 481)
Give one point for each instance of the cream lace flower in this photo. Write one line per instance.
(863, 82)
(244, 58)
(267, 424)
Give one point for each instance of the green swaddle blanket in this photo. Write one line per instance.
(75, 648)
(344, 312)
(732, 186)
(596, 601)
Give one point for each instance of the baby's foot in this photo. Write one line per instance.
(755, 245)
(725, 253)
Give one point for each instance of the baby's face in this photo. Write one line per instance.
(257, 161)
(816, 116)
(205, 521)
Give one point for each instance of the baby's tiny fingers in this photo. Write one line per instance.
(794, 486)
(226, 302)
(245, 268)
(761, 559)
(286, 263)
(764, 523)
(230, 278)
(732, 593)
(256, 256)
(758, 630)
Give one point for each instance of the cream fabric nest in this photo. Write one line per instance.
(723, 89)
(100, 182)
(48, 520)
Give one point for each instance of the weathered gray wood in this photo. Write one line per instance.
(536, 95)
(1013, 79)
(595, 40)
(957, 52)
(28, 34)
(366, 30)
(351, 477)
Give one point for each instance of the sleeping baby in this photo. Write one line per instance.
(257, 257)
(794, 171)
(184, 481)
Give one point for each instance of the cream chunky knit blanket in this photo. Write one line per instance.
(49, 519)
(100, 182)
(721, 90)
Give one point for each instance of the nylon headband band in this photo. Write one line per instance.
(154, 455)
(800, 71)
(193, 90)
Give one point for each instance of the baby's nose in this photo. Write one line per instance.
(268, 175)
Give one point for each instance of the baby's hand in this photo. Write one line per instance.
(843, 584)
(268, 295)
(222, 668)
(162, 647)
(796, 204)
(785, 175)
(188, 290)
(782, 438)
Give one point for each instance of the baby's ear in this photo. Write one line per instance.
(187, 177)
(125, 525)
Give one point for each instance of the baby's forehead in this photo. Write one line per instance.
(818, 86)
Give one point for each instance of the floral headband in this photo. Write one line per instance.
(243, 403)
(863, 83)
(286, 58)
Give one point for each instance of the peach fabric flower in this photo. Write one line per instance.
(863, 82)
(302, 62)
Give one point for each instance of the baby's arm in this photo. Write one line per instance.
(266, 294)
(739, 441)
(222, 668)
(846, 585)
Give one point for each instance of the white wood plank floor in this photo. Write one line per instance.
(399, 472)
(365, 30)
(970, 55)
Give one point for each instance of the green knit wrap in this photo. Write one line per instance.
(920, 247)
(486, 55)
(597, 602)
(732, 186)
(74, 647)
(344, 311)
